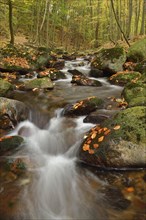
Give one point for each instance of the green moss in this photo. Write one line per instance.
(5, 87)
(39, 83)
(137, 52)
(124, 78)
(132, 125)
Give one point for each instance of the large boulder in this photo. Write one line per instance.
(135, 94)
(42, 83)
(52, 73)
(118, 143)
(137, 52)
(5, 87)
(110, 60)
(11, 112)
(82, 107)
(122, 78)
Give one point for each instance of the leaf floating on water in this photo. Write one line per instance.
(100, 139)
(86, 147)
(95, 145)
(117, 127)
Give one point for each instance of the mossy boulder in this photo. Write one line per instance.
(11, 112)
(82, 107)
(118, 143)
(141, 67)
(122, 78)
(135, 94)
(42, 83)
(137, 52)
(10, 143)
(110, 60)
(5, 88)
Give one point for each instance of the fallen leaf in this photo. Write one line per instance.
(93, 135)
(100, 139)
(91, 151)
(130, 189)
(117, 127)
(95, 145)
(107, 132)
(86, 147)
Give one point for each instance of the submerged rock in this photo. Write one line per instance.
(83, 107)
(119, 143)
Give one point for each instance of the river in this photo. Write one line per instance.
(57, 185)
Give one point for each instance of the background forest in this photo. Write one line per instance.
(78, 24)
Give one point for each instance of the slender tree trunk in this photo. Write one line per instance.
(11, 22)
(142, 30)
(112, 4)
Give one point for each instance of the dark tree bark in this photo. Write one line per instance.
(112, 4)
(11, 22)
(142, 29)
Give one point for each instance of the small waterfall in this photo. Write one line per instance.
(58, 190)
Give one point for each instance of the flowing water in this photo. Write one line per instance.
(58, 187)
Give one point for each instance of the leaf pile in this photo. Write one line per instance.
(95, 137)
(15, 61)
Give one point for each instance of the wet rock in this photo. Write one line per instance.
(95, 118)
(136, 52)
(10, 143)
(135, 94)
(119, 143)
(96, 73)
(58, 64)
(109, 61)
(83, 107)
(85, 81)
(75, 72)
(5, 87)
(43, 83)
(11, 112)
(122, 78)
(68, 57)
(52, 73)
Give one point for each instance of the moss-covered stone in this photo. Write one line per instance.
(10, 143)
(82, 107)
(43, 83)
(85, 81)
(109, 60)
(122, 78)
(137, 52)
(119, 143)
(141, 67)
(135, 93)
(5, 87)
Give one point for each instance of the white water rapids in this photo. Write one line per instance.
(58, 189)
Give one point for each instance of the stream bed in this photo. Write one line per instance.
(56, 185)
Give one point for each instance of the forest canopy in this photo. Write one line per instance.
(72, 23)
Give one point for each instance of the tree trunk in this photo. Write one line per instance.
(142, 30)
(11, 22)
(112, 4)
